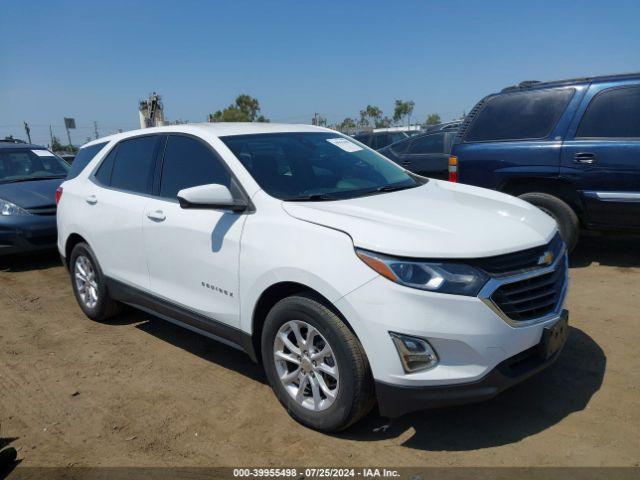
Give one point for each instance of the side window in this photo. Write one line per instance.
(519, 116)
(83, 157)
(133, 165)
(613, 113)
(428, 144)
(103, 174)
(401, 147)
(189, 163)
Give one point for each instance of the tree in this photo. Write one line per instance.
(347, 124)
(56, 146)
(383, 122)
(403, 109)
(364, 119)
(244, 109)
(370, 115)
(433, 119)
(374, 113)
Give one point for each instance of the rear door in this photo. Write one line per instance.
(193, 254)
(114, 203)
(601, 154)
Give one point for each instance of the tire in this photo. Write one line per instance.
(352, 386)
(101, 306)
(563, 214)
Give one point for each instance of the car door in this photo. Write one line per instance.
(426, 156)
(193, 254)
(114, 202)
(601, 154)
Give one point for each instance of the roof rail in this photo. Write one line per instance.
(536, 83)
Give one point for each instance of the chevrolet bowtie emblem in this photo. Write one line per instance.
(546, 258)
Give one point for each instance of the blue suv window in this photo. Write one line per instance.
(613, 113)
(519, 116)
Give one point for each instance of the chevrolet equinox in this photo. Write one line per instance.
(352, 280)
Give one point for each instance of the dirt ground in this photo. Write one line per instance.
(141, 392)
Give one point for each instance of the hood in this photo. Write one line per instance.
(437, 220)
(31, 194)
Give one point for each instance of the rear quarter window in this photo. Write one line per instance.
(519, 115)
(83, 157)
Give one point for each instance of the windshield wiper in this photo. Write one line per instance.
(317, 197)
(393, 188)
(31, 179)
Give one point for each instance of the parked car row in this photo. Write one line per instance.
(353, 279)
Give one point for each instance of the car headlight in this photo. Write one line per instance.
(439, 276)
(8, 208)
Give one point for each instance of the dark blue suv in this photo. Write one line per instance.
(570, 147)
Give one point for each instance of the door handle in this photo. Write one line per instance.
(91, 199)
(584, 157)
(156, 216)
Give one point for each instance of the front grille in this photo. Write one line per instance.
(48, 210)
(533, 297)
(519, 262)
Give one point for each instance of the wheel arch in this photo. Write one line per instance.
(562, 189)
(272, 295)
(72, 240)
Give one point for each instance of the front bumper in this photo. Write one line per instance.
(396, 400)
(27, 233)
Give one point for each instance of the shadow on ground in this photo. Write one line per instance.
(609, 250)
(7, 456)
(196, 344)
(524, 410)
(30, 261)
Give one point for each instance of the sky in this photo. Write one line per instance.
(94, 61)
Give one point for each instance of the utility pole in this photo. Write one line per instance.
(51, 135)
(28, 130)
(95, 129)
(69, 138)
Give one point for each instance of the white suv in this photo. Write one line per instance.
(351, 279)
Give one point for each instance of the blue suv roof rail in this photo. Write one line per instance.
(527, 84)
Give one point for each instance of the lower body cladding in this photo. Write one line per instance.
(27, 233)
(477, 353)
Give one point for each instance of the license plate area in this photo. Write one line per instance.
(554, 337)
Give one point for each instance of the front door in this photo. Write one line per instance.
(193, 254)
(602, 155)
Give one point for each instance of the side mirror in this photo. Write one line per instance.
(212, 196)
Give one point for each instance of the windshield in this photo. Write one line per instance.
(300, 166)
(25, 164)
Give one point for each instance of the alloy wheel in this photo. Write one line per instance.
(306, 365)
(86, 282)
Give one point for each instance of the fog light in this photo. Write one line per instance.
(415, 353)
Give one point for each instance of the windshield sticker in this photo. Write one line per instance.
(43, 153)
(344, 144)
